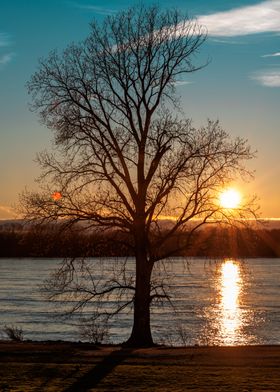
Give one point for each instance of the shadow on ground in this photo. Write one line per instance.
(92, 378)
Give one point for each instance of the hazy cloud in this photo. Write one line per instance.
(6, 58)
(227, 41)
(4, 39)
(259, 18)
(277, 54)
(6, 212)
(267, 78)
(93, 8)
(182, 83)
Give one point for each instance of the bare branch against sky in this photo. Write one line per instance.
(123, 157)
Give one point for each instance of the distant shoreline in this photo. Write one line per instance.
(213, 242)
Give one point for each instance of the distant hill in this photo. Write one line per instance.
(263, 224)
(21, 239)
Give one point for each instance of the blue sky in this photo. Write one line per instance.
(240, 86)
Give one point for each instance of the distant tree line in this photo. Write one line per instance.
(19, 240)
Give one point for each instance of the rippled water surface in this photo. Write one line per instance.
(223, 303)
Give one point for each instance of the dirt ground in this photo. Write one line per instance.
(69, 367)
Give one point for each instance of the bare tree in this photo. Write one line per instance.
(124, 160)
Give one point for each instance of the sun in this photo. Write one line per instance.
(230, 198)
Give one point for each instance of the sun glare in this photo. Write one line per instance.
(56, 196)
(230, 198)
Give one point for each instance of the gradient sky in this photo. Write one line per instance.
(240, 86)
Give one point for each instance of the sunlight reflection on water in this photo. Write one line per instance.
(230, 290)
(228, 320)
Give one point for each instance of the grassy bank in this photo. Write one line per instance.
(80, 367)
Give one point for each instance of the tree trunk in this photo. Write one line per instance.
(141, 332)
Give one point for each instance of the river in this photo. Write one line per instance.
(230, 302)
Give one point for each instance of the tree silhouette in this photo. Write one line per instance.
(123, 159)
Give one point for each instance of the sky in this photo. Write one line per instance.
(240, 86)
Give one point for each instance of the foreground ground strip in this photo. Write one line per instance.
(69, 367)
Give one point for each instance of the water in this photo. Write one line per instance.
(216, 303)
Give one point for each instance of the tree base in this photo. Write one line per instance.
(136, 342)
